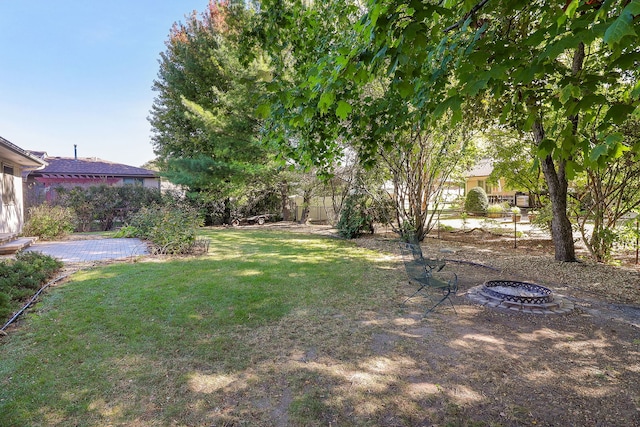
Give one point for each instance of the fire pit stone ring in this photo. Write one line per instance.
(519, 296)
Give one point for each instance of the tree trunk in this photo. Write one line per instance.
(226, 213)
(284, 201)
(556, 178)
(306, 201)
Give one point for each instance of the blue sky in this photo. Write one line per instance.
(80, 72)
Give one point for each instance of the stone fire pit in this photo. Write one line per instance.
(519, 296)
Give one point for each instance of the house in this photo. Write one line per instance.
(497, 192)
(14, 161)
(71, 172)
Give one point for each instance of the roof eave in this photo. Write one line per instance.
(15, 154)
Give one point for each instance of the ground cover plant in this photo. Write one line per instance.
(21, 277)
(277, 329)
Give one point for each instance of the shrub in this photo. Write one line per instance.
(383, 211)
(20, 278)
(496, 208)
(542, 218)
(78, 200)
(49, 222)
(5, 305)
(446, 227)
(105, 205)
(354, 218)
(127, 231)
(629, 233)
(170, 229)
(34, 268)
(476, 202)
(131, 198)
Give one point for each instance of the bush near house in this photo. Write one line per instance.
(105, 205)
(21, 277)
(49, 222)
(476, 202)
(171, 229)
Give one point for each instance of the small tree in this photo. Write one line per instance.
(476, 202)
(422, 163)
(609, 193)
(355, 217)
(514, 158)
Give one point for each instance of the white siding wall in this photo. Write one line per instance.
(11, 214)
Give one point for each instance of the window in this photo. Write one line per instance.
(133, 181)
(8, 186)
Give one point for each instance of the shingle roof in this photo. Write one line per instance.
(91, 166)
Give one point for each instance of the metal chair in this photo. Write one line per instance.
(427, 274)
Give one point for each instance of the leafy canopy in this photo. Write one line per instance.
(513, 56)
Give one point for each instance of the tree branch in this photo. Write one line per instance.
(466, 16)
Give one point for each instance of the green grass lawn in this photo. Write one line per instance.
(156, 342)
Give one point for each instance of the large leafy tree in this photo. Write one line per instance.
(544, 65)
(298, 34)
(204, 121)
(314, 119)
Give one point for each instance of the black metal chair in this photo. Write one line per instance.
(427, 274)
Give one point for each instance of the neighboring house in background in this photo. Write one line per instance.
(14, 161)
(70, 172)
(497, 192)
